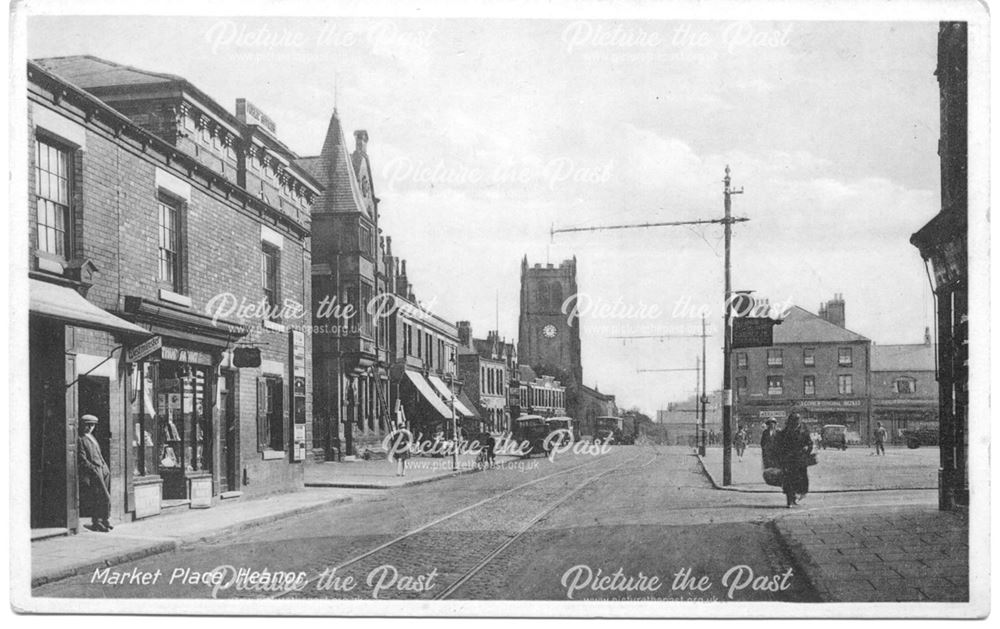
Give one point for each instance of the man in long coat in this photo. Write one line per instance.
(95, 477)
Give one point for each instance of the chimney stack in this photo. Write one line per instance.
(361, 141)
(927, 336)
(465, 334)
(402, 286)
(834, 310)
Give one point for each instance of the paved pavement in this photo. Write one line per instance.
(381, 473)
(900, 553)
(854, 469)
(60, 557)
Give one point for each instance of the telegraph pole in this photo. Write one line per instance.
(727, 223)
(704, 397)
(727, 334)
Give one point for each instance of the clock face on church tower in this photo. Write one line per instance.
(549, 331)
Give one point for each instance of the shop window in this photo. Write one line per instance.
(845, 357)
(171, 242)
(142, 406)
(809, 385)
(845, 384)
(809, 357)
(270, 414)
(774, 358)
(774, 385)
(53, 181)
(270, 272)
(905, 385)
(183, 418)
(741, 360)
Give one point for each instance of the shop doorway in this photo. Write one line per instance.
(94, 399)
(53, 430)
(230, 470)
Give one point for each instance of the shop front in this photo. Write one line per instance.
(176, 403)
(813, 414)
(426, 413)
(75, 363)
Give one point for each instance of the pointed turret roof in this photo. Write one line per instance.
(334, 169)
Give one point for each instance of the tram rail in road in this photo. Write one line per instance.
(496, 551)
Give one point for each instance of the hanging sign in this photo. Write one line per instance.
(144, 349)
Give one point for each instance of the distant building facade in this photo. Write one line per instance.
(816, 367)
(681, 420)
(482, 367)
(539, 395)
(904, 387)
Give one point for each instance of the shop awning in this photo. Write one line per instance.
(467, 403)
(65, 304)
(428, 393)
(445, 392)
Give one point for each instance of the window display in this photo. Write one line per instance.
(183, 425)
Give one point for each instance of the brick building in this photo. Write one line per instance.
(816, 367)
(483, 368)
(423, 362)
(143, 211)
(904, 387)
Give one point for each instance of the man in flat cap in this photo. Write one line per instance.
(95, 477)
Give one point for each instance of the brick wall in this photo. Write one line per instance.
(116, 208)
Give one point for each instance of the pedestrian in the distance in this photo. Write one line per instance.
(491, 446)
(769, 445)
(880, 436)
(794, 447)
(740, 442)
(95, 477)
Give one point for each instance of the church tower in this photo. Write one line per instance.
(547, 341)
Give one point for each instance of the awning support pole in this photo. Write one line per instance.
(92, 369)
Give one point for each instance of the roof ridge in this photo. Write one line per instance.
(830, 323)
(108, 62)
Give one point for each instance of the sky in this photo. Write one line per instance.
(486, 133)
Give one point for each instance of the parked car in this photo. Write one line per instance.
(834, 436)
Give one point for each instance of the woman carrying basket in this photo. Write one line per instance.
(794, 450)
